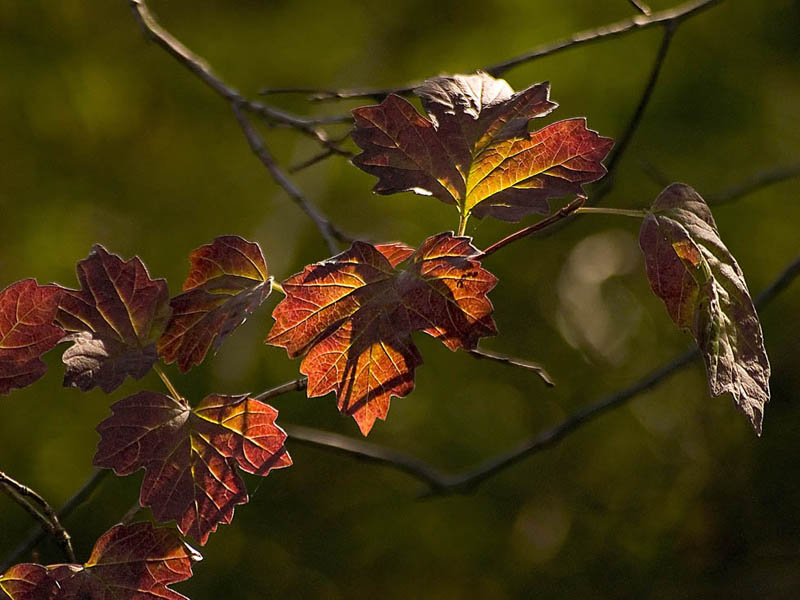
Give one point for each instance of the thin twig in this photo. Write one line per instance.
(624, 140)
(673, 15)
(239, 102)
(754, 183)
(37, 534)
(480, 353)
(329, 233)
(440, 483)
(641, 7)
(367, 451)
(561, 213)
(292, 386)
(40, 510)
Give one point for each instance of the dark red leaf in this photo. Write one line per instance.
(129, 562)
(352, 317)
(189, 454)
(704, 291)
(228, 280)
(115, 318)
(476, 151)
(27, 330)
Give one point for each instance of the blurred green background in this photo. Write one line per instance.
(107, 139)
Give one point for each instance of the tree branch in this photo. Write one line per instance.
(37, 534)
(754, 183)
(40, 510)
(479, 353)
(199, 67)
(624, 140)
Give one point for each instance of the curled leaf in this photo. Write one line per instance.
(352, 316)
(704, 291)
(228, 280)
(474, 150)
(114, 320)
(190, 454)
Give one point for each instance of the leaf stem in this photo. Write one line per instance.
(624, 212)
(278, 286)
(562, 213)
(462, 223)
(168, 384)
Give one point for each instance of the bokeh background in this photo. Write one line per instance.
(104, 138)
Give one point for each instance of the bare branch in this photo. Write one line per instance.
(637, 23)
(292, 386)
(560, 214)
(624, 140)
(239, 102)
(262, 152)
(37, 534)
(641, 7)
(40, 510)
(479, 353)
(671, 17)
(754, 183)
(366, 451)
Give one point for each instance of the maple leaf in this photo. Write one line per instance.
(704, 291)
(476, 151)
(128, 562)
(352, 317)
(189, 454)
(27, 330)
(228, 280)
(115, 320)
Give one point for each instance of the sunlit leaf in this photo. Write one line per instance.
(27, 330)
(115, 319)
(704, 291)
(228, 280)
(128, 562)
(352, 316)
(475, 150)
(190, 454)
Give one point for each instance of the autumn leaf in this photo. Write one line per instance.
(352, 316)
(128, 562)
(704, 291)
(27, 330)
(114, 320)
(228, 280)
(475, 150)
(189, 454)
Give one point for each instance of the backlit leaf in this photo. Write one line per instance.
(27, 330)
(352, 316)
(704, 291)
(128, 562)
(115, 319)
(475, 150)
(190, 454)
(228, 280)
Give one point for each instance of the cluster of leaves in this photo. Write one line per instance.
(350, 318)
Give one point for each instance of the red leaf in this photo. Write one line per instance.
(128, 562)
(27, 330)
(476, 151)
(704, 291)
(116, 318)
(189, 454)
(228, 280)
(352, 317)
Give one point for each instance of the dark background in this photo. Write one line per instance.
(107, 139)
